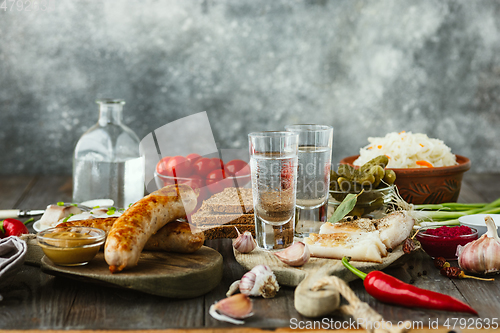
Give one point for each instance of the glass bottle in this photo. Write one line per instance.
(106, 161)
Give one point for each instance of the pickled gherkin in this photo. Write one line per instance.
(389, 177)
(370, 176)
(381, 160)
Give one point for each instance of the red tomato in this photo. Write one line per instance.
(287, 176)
(237, 168)
(204, 166)
(193, 158)
(217, 181)
(218, 163)
(161, 167)
(194, 181)
(179, 166)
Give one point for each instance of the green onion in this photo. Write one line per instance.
(74, 205)
(450, 206)
(60, 203)
(67, 218)
(448, 213)
(111, 210)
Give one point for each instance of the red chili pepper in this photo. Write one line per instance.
(388, 289)
(12, 227)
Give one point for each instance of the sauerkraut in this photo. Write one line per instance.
(408, 150)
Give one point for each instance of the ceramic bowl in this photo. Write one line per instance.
(476, 221)
(441, 246)
(428, 185)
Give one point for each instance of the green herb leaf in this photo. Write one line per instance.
(60, 203)
(345, 207)
(1, 227)
(97, 207)
(74, 205)
(111, 210)
(67, 218)
(29, 220)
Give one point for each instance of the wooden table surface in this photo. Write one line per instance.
(34, 300)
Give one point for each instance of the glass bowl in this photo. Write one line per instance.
(71, 246)
(206, 189)
(371, 203)
(444, 246)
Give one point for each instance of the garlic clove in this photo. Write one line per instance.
(234, 287)
(260, 281)
(481, 256)
(296, 255)
(244, 243)
(232, 308)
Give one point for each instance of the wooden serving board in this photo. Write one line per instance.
(159, 273)
(307, 302)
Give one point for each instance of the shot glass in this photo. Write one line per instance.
(273, 162)
(313, 176)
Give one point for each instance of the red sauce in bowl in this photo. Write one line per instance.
(450, 231)
(443, 241)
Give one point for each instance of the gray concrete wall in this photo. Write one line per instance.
(365, 67)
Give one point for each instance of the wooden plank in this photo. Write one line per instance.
(483, 296)
(468, 193)
(177, 275)
(486, 185)
(47, 190)
(419, 271)
(39, 301)
(12, 188)
(271, 313)
(250, 330)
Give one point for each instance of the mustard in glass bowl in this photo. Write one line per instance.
(71, 246)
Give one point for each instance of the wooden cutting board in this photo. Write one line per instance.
(159, 273)
(307, 302)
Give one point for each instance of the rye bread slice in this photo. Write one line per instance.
(203, 218)
(228, 231)
(232, 200)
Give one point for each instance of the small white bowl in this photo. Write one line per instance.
(477, 221)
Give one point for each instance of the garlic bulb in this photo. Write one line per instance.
(244, 243)
(232, 308)
(260, 281)
(296, 255)
(481, 256)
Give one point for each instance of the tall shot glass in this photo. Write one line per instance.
(313, 176)
(273, 161)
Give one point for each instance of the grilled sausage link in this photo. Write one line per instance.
(132, 229)
(176, 236)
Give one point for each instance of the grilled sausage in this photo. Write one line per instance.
(132, 229)
(176, 236)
